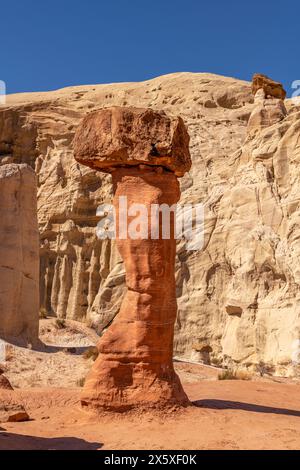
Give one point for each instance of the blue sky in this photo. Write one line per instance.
(52, 44)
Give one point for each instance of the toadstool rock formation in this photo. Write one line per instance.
(145, 151)
(271, 88)
(269, 107)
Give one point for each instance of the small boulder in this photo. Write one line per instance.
(11, 409)
(5, 383)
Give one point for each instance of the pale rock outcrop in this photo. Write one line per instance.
(19, 254)
(255, 247)
(4, 382)
(135, 363)
(238, 298)
(265, 113)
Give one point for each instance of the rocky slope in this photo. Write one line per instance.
(238, 298)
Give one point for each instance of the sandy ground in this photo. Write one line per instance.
(226, 414)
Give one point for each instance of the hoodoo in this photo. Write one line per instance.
(145, 151)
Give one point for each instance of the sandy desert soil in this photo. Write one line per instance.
(225, 415)
(262, 413)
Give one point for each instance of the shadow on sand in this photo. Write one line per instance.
(237, 405)
(10, 441)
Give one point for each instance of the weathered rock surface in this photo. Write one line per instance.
(135, 362)
(258, 238)
(19, 254)
(266, 112)
(251, 198)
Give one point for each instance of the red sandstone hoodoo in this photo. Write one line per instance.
(145, 151)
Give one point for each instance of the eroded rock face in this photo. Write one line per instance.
(19, 254)
(254, 244)
(135, 362)
(82, 277)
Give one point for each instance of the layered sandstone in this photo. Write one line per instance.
(261, 208)
(19, 254)
(238, 299)
(135, 362)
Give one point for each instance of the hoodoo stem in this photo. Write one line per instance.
(135, 365)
